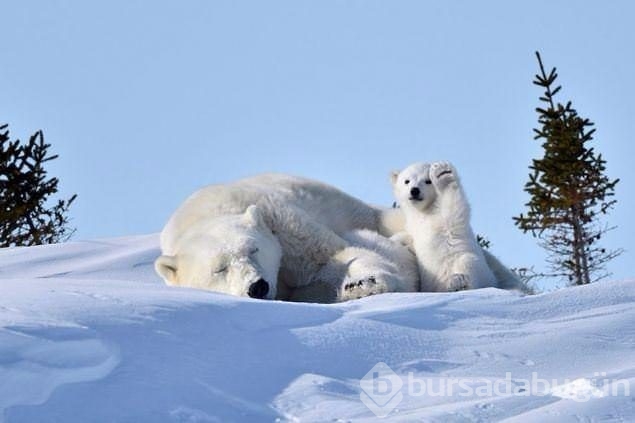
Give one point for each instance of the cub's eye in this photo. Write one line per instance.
(253, 251)
(407, 181)
(428, 181)
(221, 270)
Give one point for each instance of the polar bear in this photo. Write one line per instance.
(277, 236)
(437, 221)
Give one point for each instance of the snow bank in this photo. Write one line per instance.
(89, 333)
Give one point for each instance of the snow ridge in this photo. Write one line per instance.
(89, 333)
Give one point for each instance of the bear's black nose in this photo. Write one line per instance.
(414, 192)
(258, 289)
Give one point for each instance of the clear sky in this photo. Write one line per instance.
(145, 101)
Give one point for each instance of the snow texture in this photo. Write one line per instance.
(88, 333)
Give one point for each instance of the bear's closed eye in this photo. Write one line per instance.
(221, 270)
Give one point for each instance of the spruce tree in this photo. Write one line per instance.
(27, 215)
(569, 190)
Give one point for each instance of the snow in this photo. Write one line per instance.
(89, 333)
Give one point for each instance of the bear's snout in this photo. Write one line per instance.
(415, 192)
(258, 289)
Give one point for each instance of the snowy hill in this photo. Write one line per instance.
(89, 334)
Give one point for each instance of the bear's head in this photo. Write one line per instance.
(237, 254)
(413, 187)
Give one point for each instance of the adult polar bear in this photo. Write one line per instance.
(284, 237)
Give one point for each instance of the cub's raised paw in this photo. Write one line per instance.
(352, 290)
(459, 282)
(442, 174)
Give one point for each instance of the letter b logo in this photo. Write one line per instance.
(381, 390)
(381, 385)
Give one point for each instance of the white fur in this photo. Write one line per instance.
(371, 264)
(505, 278)
(286, 230)
(438, 220)
(205, 256)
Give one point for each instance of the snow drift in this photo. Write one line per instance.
(89, 333)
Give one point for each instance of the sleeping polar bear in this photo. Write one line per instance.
(276, 236)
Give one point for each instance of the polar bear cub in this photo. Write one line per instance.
(437, 218)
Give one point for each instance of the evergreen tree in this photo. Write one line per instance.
(26, 218)
(569, 190)
(483, 241)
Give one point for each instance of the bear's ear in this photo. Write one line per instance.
(393, 177)
(166, 268)
(253, 216)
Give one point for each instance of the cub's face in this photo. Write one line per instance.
(413, 187)
(234, 254)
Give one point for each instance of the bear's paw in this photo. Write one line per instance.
(459, 282)
(355, 289)
(442, 174)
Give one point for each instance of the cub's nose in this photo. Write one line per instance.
(415, 192)
(258, 289)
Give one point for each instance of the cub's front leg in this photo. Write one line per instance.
(454, 207)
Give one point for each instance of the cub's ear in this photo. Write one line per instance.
(165, 266)
(393, 177)
(253, 216)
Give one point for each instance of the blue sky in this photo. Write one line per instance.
(145, 101)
